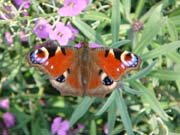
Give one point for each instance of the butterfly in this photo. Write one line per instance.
(83, 71)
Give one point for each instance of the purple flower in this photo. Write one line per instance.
(95, 45)
(9, 38)
(4, 103)
(72, 7)
(42, 28)
(59, 126)
(4, 16)
(4, 132)
(137, 26)
(7, 14)
(91, 45)
(79, 128)
(8, 119)
(61, 33)
(25, 12)
(23, 36)
(105, 128)
(73, 30)
(23, 3)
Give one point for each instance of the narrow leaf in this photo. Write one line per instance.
(142, 72)
(151, 29)
(148, 97)
(119, 43)
(164, 49)
(93, 128)
(87, 30)
(115, 20)
(94, 16)
(172, 30)
(165, 75)
(81, 109)
(111, 117)
(107, 104)
(124, 113)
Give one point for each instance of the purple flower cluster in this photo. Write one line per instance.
(19, 4)
(61, 33)
(8, 119)
(61, 127)
(22, 3)
(73, 7)
(22, 6)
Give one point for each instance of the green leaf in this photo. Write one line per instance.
(93, 128)
(115, 20)
(139, 8)
(81, 109)
(165, 75)
(142, 72)
(176, 68)
(94, 16)
(107, 104)
(172, 30)
(164, 49)
(132, 91)
(175, 20)
(121, 106)
(111, 116)
(120, 43)
(45, 131)
(151, 29)
(174, 56)
(87, 30)
(150, 99)
(127, 8)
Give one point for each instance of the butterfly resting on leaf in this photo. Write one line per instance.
(83, 71)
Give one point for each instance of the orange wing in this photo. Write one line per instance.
(115, 62)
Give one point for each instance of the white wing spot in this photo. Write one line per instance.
(122, 65)
(52, 67)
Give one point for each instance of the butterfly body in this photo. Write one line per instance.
(83, 71)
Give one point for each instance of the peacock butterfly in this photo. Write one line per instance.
(83, 71)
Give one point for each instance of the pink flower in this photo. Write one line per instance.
(4, 16)
(4, 103)
(23, 3)
(73, 30)
(106, 128)
(72, 7)
(137, 26)
(79, 128)
(95, 45)
(7, 14)
(9, 38)
(25, 12)
(4, 132)
(59, 126)
(8, 119)
(23, 36)
(42, 28)
(91, 45)
(61, 33)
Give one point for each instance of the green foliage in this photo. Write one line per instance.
(146, 103)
